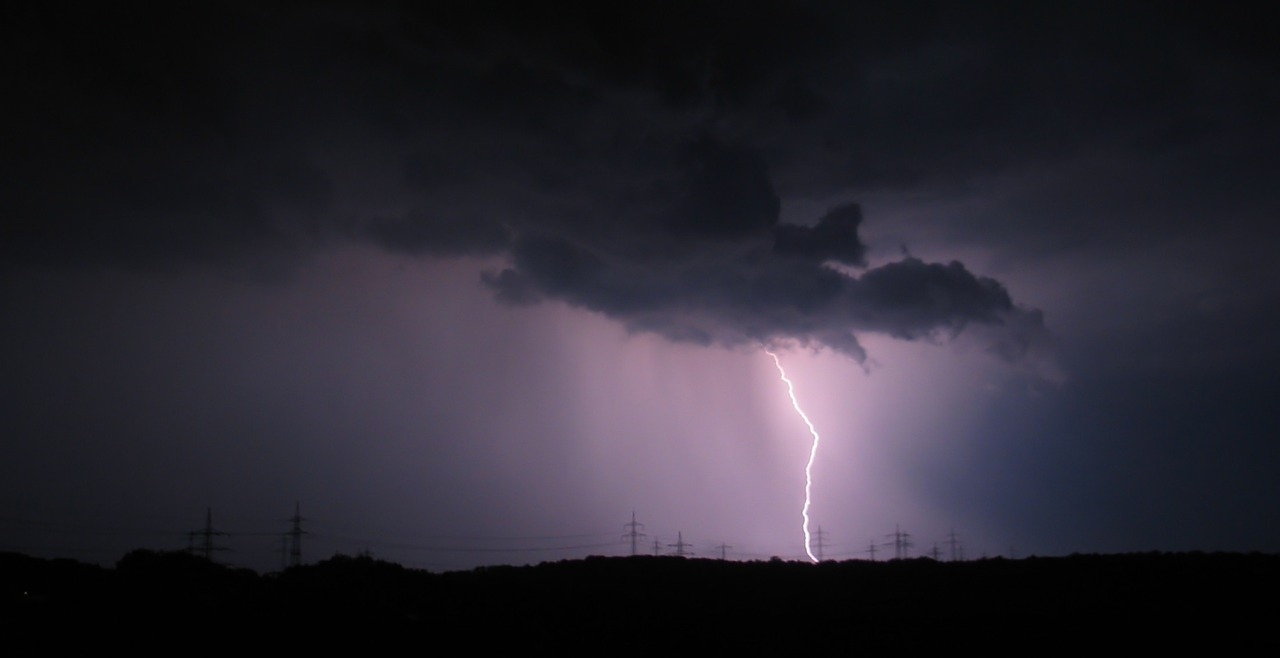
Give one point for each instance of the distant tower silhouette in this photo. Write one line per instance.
(953, 541)
(722, 548)
(295, 536)
(207, 547)
(657, 546)
(680, 545)
(871, 549)
(820, 536)
(633, 532)
(901, 543)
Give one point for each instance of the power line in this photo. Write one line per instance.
(460, 549)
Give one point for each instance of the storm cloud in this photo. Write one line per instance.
(774, 284)
(611, 177)
(404, 261)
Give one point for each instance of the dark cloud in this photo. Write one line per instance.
(125, 142)
(423, 233)
(629, 162)
(762, 287)
(835, 237)
(270, 123)
(728, 195)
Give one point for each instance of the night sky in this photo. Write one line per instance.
(471, 282)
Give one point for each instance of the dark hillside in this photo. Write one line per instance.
(1139, 601)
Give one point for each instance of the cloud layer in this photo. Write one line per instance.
(626, 162)
(764, 284)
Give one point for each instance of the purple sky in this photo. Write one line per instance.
(473, 284)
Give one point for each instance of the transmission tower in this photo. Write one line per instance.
(657, 546)
(206, 547)
(295, 536)
(680, 545)
(633, 531)
(953, 541)
(722, 548)
(901, 543)
(820, 536)
(871, 549)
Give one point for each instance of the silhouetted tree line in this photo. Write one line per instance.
(660, 603)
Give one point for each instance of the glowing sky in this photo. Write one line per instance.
(473, 284)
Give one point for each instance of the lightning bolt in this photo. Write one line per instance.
(813, 452)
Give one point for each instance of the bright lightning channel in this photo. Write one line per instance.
(813, 452)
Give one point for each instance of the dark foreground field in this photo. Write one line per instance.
(1106, 603)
